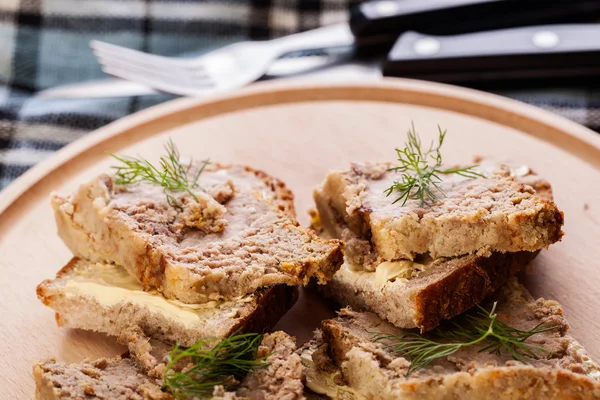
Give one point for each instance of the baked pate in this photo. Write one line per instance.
(346, 361)
(495, 213)
(124, 378)
(240, 234)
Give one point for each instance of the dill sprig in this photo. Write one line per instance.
(474, 327)
(211, 363)
(421, 170)
(171, 174)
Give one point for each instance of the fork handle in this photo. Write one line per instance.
(336, 35)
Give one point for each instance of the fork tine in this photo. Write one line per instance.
(140, 58)
(162, 73)
(109, 50)
(161, 85)
(170, 73)
(151, 66)
(172, 77)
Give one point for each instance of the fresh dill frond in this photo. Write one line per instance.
(211, 362)
(421, 170)
(476, 326)
(171, 174)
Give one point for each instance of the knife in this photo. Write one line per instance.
(544, 53)
(375, 23)
(482, 59)
(378, 23)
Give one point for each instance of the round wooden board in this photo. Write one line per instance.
(297, 132)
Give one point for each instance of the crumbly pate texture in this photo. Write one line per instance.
(240, 235)
(564, 371)
(496, 213)
(126, 379)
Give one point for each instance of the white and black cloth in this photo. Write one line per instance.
(45, 43)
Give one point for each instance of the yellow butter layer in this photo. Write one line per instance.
(111, 285)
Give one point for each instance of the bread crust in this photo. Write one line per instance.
(259, 314)
(467, 283)
(269, 309)
(134, 226)
(445, 290)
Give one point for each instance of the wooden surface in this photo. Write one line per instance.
(297, 133)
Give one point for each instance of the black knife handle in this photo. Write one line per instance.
(519, 53)
(380, 22)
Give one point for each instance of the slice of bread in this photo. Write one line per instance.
(423, 292)
(498, 213)
(123, 378)
(422, 298)
(346, 357)
(105, 298)
(240, 234)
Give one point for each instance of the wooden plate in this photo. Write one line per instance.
(297, 132)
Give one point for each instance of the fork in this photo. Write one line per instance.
(225, 69)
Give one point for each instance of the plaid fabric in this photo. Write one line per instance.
(44, 43)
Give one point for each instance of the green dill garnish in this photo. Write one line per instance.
(211, 362)
(476, 326)
(171, 174)
(421, 170)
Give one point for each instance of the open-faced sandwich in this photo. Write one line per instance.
(424, 242)
(430, 258)
(192, 264)
(197, 232)
(199, 258)
(511, 347)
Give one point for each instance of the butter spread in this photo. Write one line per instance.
(111, 285)
(323, 382)
(385, 272)
(391, 270)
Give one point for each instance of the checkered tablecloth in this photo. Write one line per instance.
(44, 43)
